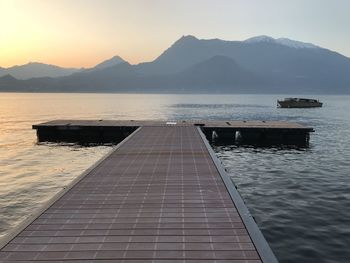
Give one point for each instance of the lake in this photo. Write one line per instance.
(300, 198)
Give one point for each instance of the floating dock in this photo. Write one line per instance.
(160, 196)
(265, 133)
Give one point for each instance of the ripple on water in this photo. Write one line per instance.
(36, 174)
(296, 202)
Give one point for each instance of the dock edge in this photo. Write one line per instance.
(259, 241)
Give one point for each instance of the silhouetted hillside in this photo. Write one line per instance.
(190, 65)
(36, 70)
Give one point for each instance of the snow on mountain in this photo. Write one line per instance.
(295, 44)
(282, 41)
(260, 39)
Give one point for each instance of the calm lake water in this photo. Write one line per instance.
(299, 198)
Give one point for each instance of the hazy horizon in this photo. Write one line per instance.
(161, 52)
(84, 33)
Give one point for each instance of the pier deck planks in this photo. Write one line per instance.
(159, 197)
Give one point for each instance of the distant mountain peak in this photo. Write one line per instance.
(36, 63)
(30, 63)
(281, 41)
(188, 37)
(40, 65)
(261, 38)
(184, 40)
(110, 62)
(37, 70)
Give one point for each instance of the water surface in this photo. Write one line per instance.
(300, 198)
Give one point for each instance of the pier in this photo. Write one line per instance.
(161, 195)
(264, 133)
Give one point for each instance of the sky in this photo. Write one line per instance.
(82, 33)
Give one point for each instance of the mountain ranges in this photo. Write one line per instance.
(257, 65)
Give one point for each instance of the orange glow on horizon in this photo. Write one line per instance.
(36, 32)
(83, 33)
(74, 60)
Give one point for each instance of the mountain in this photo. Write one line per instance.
(118, 77)
(217, 74)
(191, 65)
(266, 57)
(287, 65)
(37, 70)
(282, 41)
(41, 70)
(110, 62)
(104, 80)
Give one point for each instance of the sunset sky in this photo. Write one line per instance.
(82, 33)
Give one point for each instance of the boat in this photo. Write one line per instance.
(298, 103)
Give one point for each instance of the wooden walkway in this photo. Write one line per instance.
(159, 197)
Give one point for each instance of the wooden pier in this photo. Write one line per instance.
(265, 133)
(160, 196)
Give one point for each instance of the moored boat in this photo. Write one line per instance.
(298, 103)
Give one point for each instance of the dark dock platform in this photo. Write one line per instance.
(160, 196)
(225, 132)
